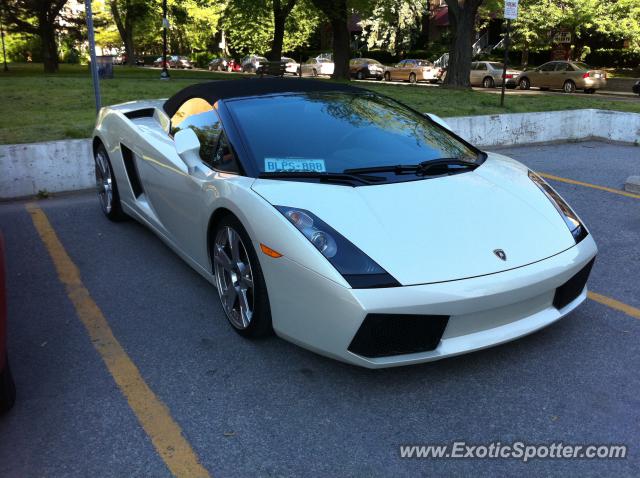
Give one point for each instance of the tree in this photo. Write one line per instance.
(125, 14)
(281, 11)
(394, 25)
(338, 14)
(539, 20)
(250, 26)
(40, 18)
(462, 17)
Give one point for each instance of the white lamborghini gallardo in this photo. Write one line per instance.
(342, 220)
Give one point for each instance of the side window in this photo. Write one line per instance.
(563, 67)
(474, 66)
(548, 66)
(224, 158)
(482, 66)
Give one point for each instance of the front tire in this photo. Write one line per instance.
(412, 78)
(488, 82)
(241, 286)
(387, 76)
(360, 75)
(524, 84)
(106, 186)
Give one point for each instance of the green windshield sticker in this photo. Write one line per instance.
(279, 165)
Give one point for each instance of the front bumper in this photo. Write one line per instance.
(323, 316)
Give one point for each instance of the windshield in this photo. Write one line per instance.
(331, 132)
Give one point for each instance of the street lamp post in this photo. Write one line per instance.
(92, 54)
(164, 75)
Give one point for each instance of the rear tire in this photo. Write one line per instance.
(7, 389)
(524, 84)
(241, 286)
(412, 78)
(488, 82)
(569, 87)
(387, 76)
(360, 75)
(590, 91)
(106, 186)
(314, 73)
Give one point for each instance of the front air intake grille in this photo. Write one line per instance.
(383, 335)
(570, 290)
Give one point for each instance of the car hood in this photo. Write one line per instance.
(438, 229)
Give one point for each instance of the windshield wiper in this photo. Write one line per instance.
(420, 169)
(323, 177)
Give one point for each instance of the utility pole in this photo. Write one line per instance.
(506, 59)
(510, 13)
(164, 75)
(4, 52)
(92, 52)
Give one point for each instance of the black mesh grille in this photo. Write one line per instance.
(383, 335)
(570, 290)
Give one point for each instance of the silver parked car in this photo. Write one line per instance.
(489, 74)
(320, 65)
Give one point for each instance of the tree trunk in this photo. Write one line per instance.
(47, 35)
(128, 42)
(462, 17)
(341, 48)
(125, 29)
(337, 13)
(278, 37)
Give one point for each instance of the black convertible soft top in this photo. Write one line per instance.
(213, 91)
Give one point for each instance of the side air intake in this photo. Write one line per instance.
(132, 170)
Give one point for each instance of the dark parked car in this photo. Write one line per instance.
(363, 68)
(7, 387)
(636, 87)
(252, 63)
(219, 64)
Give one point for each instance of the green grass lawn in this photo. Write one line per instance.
(38, 107)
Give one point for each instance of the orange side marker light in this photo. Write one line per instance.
(270, 252)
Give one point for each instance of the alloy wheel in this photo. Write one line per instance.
(104, 182)
(569, 87)
(234, 277)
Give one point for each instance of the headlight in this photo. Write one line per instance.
(577, 229)
(358, 269)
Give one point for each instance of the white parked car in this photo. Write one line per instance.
(291, 66)
(318, 66)
(396, 242)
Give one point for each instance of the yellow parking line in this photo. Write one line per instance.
(589, 185)
(154, 416)
(615, 304)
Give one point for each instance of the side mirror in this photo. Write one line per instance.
(188, 147)
(438, 120)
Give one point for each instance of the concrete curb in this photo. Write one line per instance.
(60, 166)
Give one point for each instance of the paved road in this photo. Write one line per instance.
(608, 95)
(269, 408)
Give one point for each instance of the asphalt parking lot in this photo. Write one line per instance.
(269, 408)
